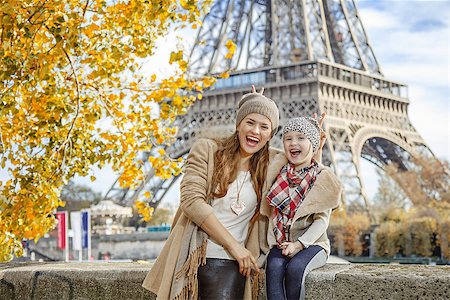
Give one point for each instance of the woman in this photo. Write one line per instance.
(214, 245)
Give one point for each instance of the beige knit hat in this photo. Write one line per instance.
(259, 104)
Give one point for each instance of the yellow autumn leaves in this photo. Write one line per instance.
(74, 95)
(231, 46)
(145, 209)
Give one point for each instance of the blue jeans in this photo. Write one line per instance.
(285, 276)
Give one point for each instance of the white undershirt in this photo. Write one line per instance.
(237, 225)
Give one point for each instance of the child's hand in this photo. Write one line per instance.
(290, 249)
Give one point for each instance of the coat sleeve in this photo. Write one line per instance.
(194, 186)
(316, 229)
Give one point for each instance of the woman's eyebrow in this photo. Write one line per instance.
(262, 122)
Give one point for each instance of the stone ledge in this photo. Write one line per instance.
(76, 281)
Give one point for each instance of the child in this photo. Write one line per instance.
(301, 199)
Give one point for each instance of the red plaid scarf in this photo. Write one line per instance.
(286, 194)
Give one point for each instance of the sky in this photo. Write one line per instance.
(411, 40)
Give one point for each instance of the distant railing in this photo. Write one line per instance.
(305, 70)
(158, 228)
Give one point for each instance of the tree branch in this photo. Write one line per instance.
(77, 113)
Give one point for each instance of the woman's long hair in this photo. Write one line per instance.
(226, 164)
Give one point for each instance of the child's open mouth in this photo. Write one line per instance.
(295, 153)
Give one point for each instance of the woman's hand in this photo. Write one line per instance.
(290, 249)
(218, 232)
(254, 90)
(244, 257)
(323, 136)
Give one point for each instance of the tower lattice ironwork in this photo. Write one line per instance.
(311, 56)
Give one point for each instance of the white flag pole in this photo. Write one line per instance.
(89, 235)
(67, 235)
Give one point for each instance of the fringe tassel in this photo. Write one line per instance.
(257, 282)
(190, 267)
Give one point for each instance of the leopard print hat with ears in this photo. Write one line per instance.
(306, 125)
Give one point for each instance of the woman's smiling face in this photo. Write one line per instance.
(254, 133)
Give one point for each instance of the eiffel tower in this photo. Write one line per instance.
(311, 56)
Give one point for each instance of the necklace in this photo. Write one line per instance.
(236, 206)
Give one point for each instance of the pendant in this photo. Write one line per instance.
(237, 208)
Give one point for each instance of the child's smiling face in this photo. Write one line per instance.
(297, 148)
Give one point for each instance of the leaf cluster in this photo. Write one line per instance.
(73, 96)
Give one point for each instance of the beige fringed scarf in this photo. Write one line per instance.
(192, 255)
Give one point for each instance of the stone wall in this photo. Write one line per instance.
(77, 281)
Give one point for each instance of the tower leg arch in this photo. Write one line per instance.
(346, 165)
(381, 147)
(378, 140)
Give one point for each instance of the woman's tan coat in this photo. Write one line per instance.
(194, 207)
